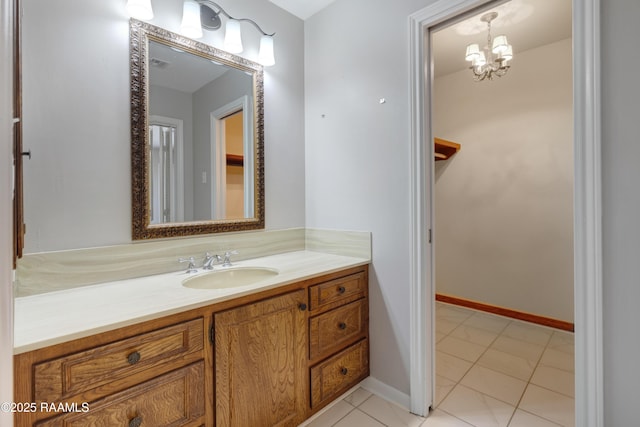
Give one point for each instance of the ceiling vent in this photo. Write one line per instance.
(159, 63)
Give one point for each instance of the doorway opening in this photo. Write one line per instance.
(234, 147)
(503, 222)
(586, 208)
(232, 160)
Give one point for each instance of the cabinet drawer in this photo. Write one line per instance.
(340, 291)
(335, 328)
(338, 373)
(173, 399)
(71, 375)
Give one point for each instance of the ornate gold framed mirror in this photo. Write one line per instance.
(197, 137)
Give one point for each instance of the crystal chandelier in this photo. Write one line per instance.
(493, 59)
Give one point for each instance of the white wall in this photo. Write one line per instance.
(358, 154)
(358, 162)
(621, 209)
(6, 210)
(76, 108)
(504, 203)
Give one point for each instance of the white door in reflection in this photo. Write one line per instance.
(167, 174)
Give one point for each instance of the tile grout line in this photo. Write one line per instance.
(458, 383)
(465, 373)
(457, 418)
(368, 414)
(353, 408)
(528, 382)
(498, 334)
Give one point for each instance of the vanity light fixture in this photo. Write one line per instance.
(484, 64)
(140, 9)
(208, 18)
(205, 14)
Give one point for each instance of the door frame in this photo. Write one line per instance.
(6, 207)
(219, 157)
(587, 208)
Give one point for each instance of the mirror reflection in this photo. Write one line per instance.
(196, 135)
(199, 126)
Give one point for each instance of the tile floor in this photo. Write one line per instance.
(491, 371)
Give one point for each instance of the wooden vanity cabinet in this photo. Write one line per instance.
(272, 358)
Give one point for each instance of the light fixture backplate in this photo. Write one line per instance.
(488, 17)
(209, 18)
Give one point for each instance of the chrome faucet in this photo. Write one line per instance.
(191, 268)
(209, 260)
(227, 258)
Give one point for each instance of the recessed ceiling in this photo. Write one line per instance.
(302, 8)
(526, 23)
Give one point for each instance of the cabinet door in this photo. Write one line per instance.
(260, 358)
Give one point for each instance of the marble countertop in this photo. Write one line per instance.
(60, 316)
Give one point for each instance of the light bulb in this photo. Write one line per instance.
(191, 20)
(473, 52)
(265, 56)
(233, 37)
(507, 54)
(480, 60)
(500, 44)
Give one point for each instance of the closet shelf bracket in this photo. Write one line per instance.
(443, 149)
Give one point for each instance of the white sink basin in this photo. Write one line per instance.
(229, 278)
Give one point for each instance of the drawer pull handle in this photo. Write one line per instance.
(342, 289)
(344, 371)
(302, 306)
(133, 358)
(135, 422)
(342, 325)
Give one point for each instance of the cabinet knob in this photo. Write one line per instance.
(302, 306)
(342, 325)
(133, 358)
(342, 289)
(344, 371)
(135, 422)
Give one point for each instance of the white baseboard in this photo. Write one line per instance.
(387, 392)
